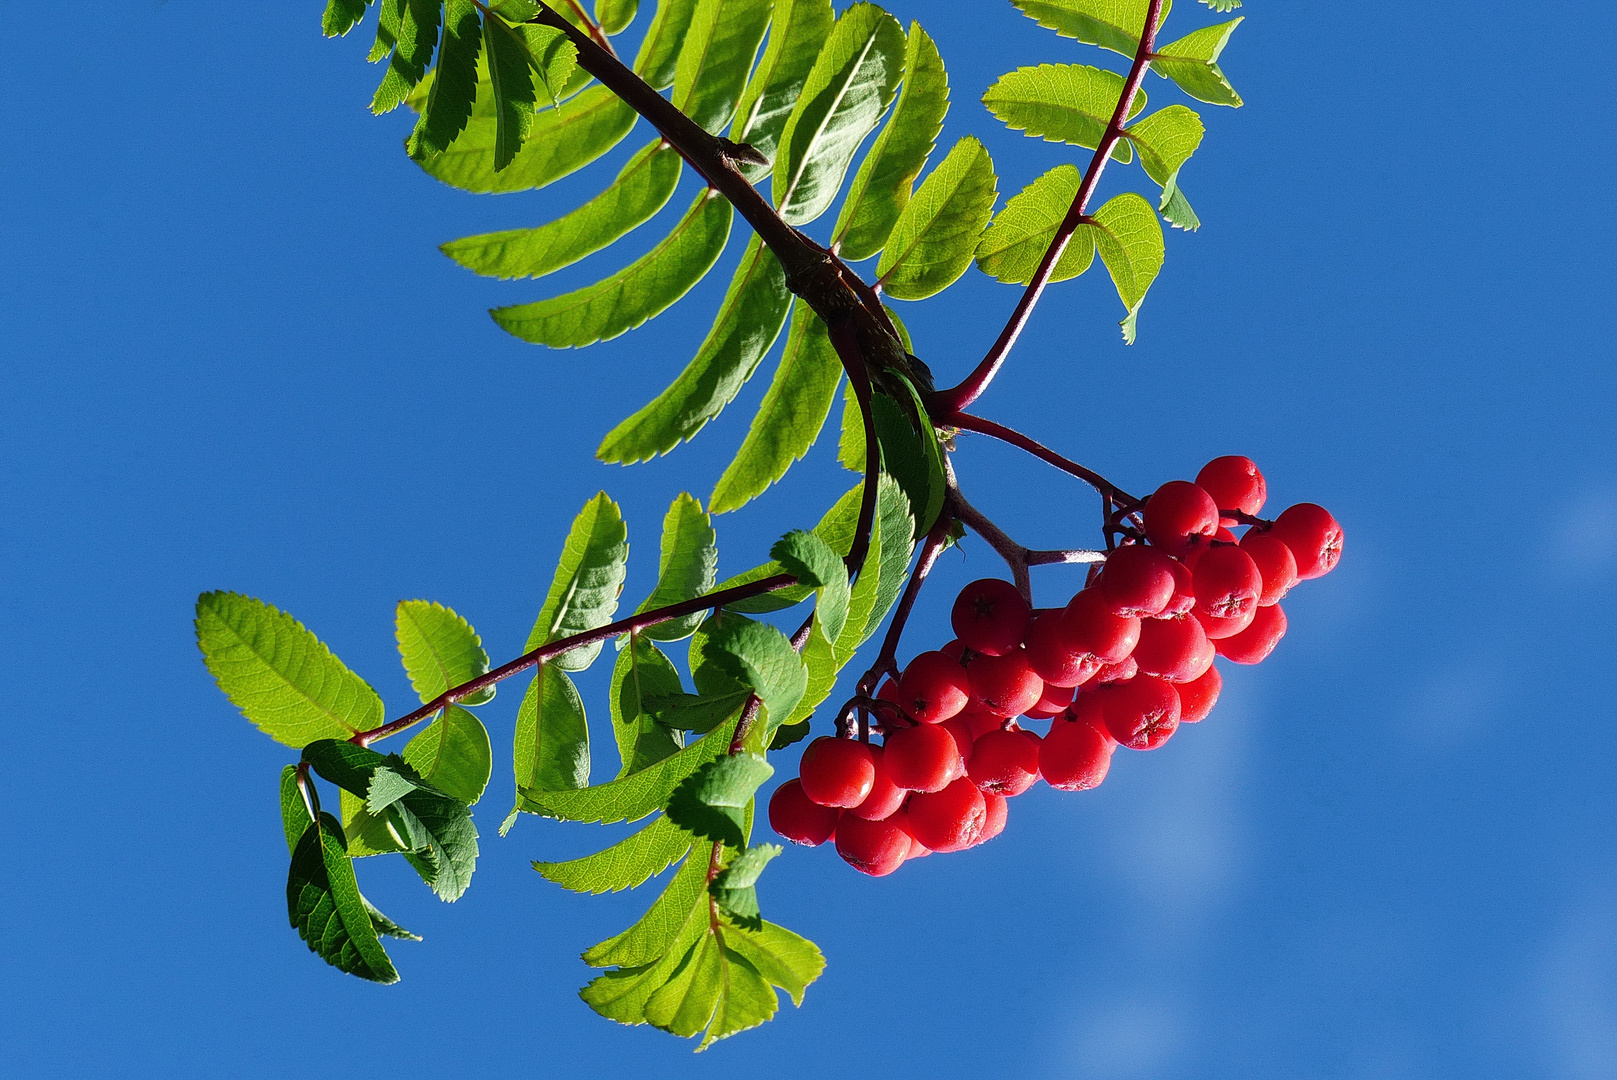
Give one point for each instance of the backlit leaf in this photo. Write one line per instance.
(687, 568)
(759, 657)
(511, 80)
(1192, 63)
(652, 934)
(552, 743)
(734, 888)
(1015, 243)
(325, 906)
(810, 559)
(796, 31)
(453, 755)
(1111, 24)
(642, 672)
(936, 235)
(713, 801)
(1128, 236)
(440, 650)
(454, 83)
(659, 52)
(584, 590)
(415, 39)
(717, 54)
(342, 16)
(1070, 103)
(294, 811)
(1166, 139)
(624, 865)
(615, 15)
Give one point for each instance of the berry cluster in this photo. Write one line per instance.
(1127, 661)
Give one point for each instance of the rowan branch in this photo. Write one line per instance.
(968, 422)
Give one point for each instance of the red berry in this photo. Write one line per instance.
(1197, 698)
(948, 820)
(1004, 685)
(1257, 641)
(888, 691)
(1086, 710)
(921, 758)
(1313, 536)
(1075, 756)
(1173, 649)
(876, 848)
(1227, 582)
(1004, 762)
(1275, 563)
(1193, 558)
(1118, 672)
(1184, 592)
(1096, 631)
(964, 736)
(1051, 654)
(995, 810)
(1180, 517)
(932, 688)
(955, 649)
(837, 772)
(1217, 628)
(1141, 713)
(885, 796)
(918, 850)
(1138, 581)
(1235, 483)
(1053, 702)
(980, 722)
(798, 819)
(990, 616)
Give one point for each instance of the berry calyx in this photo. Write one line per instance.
(1258, 640)
(990, 616)
(1276, 565)
(1075, 756)
(1092, 629)
(1235, 483)
(948, 820)
(876, 848)
(1004, 762)
(1004, 685)
(1180, 517)
(921, 758)
(799, 819)
(885, 796)
(837, 772)
(932, 688)
(1227, 582)
(1142, 713)
(1138, 580)
(1313, 536)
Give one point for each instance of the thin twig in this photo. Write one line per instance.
(968, 422)
(887, 660)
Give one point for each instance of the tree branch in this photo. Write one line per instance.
(968, 422)
(971, 388)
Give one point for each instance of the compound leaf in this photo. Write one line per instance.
(659, 52)
(1015, 243)
(642, 188)
(796, 32)
(454, 83)
(1070, 103)
(688, 567)
(936, 235)
(626, 864)
(279, 675)
(584, 591)
(511, 81)
(640, 291)
(1192, 63)
(1128, 236)
(641, 674)
(715, 801)
(440, 650)
(791, 415)
(1111, 24)
(326, 909)
(749, 321)
(882, 186)
(453, 755)
(719, 47)
(851, 84)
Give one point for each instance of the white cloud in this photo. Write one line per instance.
(1583, 536)
(1126, 1039)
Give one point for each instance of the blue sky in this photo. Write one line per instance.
(233, 359)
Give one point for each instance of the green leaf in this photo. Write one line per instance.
(882, 186)
(713, 801)
(1070, 103)
(656, 930)
(1111, 24)
(584, 591)
(851, 84)
(552, 744)
(626, 864)
(719, 47)
(734, 888)
(367, 835)
(516, 11)
(279, 675)
(659, 52)
(924, 476)
(511, 80)
(454, 84)
(759, 657)
(615, 16)
(642, 188)
(325, 906)
(696, 712)
(787, 960)
(1192, 63)
(897, 533)
(1015, 243)
(294, 811)
(632, 797)
(342, 16)
(718, 990)
(791, 416)
(385, 926)
(415, 39)
(1166, 139)
(388, 18)
(749, 321)
(1222, 5)
(440, 650)
(553, 59)
(622, 994)
(640, 291)
(822, 662)
(453, 755)
(1128, 236)
(936, 235)
(689, 565)
(559, 142)
(796, 32)
(641, 672)
(810, 559)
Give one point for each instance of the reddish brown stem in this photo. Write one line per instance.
(968, 422)
(887, 660)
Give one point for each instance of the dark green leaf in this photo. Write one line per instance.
(453, 755)
(749, 321)
(640, 291)
(615, 15)
(881, 188)
(454, 84)
(796, 32)
(791, 416)
(787, 734)
(641, 672)
(759, 657)
(559, 142)
(851, 84)
(385, 926)
(1111, 24)
(1069, 103)
(1128, 236)
(511, 81)
(713, 801)
(734, 888)
(659, 52)
(415, 39)
(552, 745)
(1166, 139)
(440, 650)
(642, 188)
(326, 908)
(1015, 243)
(632, 797)
(1192, 63)
(936, 235)
(689, 565)
(342, 16)
(279, 675)
(696, 712)
(714, 60)
(584, 591)
(928, 475)
(656, 930)
(810, 559)
(626, 864)
(294, 811)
